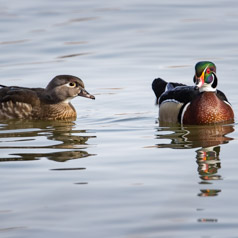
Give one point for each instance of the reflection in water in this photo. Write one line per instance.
(209, 192)
(34, 139)
(208, 138)
(194, 136)
(56, 156)
(206, 220)
(208, 163)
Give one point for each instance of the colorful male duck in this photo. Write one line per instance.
(51, 103)
(193, 105)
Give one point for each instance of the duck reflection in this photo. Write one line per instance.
(194, 136)
(208, 163)
(33, 140)
(209, 139)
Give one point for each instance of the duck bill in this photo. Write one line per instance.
(200, 81)
(84, 93)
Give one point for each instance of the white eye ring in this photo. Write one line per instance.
(72, 84)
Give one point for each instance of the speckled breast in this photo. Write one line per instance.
(207, 108)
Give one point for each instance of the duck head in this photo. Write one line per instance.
(205, 78)
(63, 88)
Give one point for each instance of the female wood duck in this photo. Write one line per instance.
(195, 105)
(51, 103)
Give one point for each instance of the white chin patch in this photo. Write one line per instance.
(206, 88)
(199, 85)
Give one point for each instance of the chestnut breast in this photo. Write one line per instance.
(207, 108)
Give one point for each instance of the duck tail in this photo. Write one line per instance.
(158, 86)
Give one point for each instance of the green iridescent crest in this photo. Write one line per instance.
(205, 69)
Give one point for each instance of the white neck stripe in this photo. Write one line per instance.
(207, 88)
(183, 112)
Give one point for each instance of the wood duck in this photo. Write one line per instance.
(50, 103)
(193, 105)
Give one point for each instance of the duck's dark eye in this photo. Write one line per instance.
(72, 84)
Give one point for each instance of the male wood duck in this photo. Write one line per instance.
(50, 103)
(193, 105)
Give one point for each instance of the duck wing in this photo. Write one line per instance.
(17, 102)
(222, 96)
(160, 86)
(180, 94)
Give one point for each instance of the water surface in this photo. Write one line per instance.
(115, 172)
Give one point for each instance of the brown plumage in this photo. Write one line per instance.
(216, 110)
(50, 103)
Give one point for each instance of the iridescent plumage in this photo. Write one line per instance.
(200, 104)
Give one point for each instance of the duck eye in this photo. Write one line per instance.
(72, 84)
(208, 71)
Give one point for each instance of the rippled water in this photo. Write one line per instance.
(114, 172)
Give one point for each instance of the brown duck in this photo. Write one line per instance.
(50, 103)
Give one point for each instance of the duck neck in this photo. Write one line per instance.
(207, 88)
